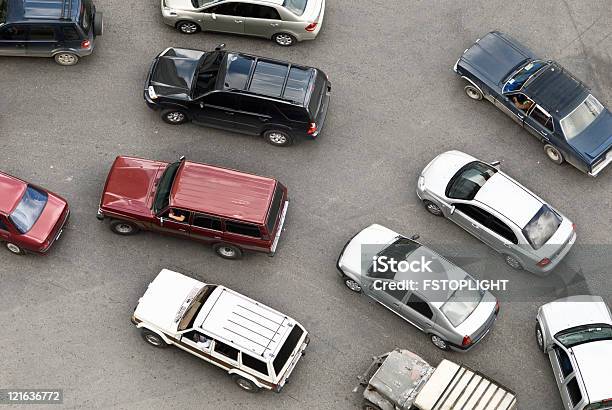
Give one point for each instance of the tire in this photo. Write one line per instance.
(553, 154)
(439, 342)
(174, 116)
(187, 27)
(66, 59)
(432, 208)
(227, 251)
(513, 262)
(539, 337)
(124, 228)
(153, 338)
(284, 39)
(14, 249)
(98, 24)
(278, 138)
(351, 284)
(368, 405)
(473, 92)
(245, 384)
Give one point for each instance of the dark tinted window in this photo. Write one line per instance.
(223, 99)
(42, 33)
(288, 348)
(541, 118)
(316, 97)
(268, 78)
(255, 364)
(275, 209)
(471, 211)
(238, 70)
(242, 229)
(3, 225)
(293, 112)
(488, 220)
(522, 75)
(396, 293)
(3, 10)
(297, 84)
(70, 33)
(258, 12)
(468, 180)
(207, 222)
(564, 362)
(226, 350)
(17, 33)
(162, 195)
(420, 306)
(227, 9)
(501, 229)
(574, 391)
(255, 105)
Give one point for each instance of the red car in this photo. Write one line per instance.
(232, 211)
(31, 218)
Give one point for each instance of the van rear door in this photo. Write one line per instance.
(318, 101)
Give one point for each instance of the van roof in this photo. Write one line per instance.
(245, 323)
(221, 191)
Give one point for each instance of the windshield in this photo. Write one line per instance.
(201, 3)
(297, 7)
(522, 75)
(29, 209)
(162, 195)
(399, 250)
(542, 227)
(461, 304)
(3, 11)
(206, 74)
(194, 307)
(582, 116)
(584, 334)
(468, 180)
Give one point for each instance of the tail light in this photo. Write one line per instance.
(497, 307)
(85, 44)
(574, 227)
(312, 128)
(311, 27)
(543, 262)
(466, 341)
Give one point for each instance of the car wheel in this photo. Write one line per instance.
(66, 59)
(187, 27)
(153, 338)
(98, 24)
(553, 154)
(227, 251)
(14, 249)
(278, 138)
(439, 342)
(246, 384)
(432, 208)
(352, 284)
(513, 262)
(174, 116)
(473, 92)
(123, 227)
(284, 39)
(368, 405)
(539, 337)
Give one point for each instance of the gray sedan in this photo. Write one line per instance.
(423, 295)
(283, 21)
(576, 334)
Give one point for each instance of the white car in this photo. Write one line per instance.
(576, 334)
(258, 346)
(496, 209)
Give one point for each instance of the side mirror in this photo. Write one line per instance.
(496, 164)
(181, 158)
(452, 209)
(415, 237)
(222, 45)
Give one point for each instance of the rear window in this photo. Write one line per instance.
(297, 7)
(461, 304)
(86, 17)
(275, 209)
(581, 117)
(297, 84)
(29, 209)
(542, 227)
(237, 72)
(268, 78)
(288, 348)
(316, 97)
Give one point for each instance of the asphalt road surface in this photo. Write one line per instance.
(396, 104)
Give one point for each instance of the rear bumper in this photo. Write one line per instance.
(297, 357)
(323, 111)
(600, 167)
(280, 229)
(58, 232)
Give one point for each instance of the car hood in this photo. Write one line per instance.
(442, 168)
(48, 219)
(495, 56)
(596, 139)
(574, 311)
(174, 72)
(164, 299)
(595, 373)
(131, 185)
(376, 237)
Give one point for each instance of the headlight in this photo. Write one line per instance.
(152, 93)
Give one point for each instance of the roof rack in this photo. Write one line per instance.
(66, 10)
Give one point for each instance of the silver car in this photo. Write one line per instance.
(496, 209)
(284, 21)
(576, 334)
(453, 319)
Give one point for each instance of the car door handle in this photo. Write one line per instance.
(274, 24)
(238, 21)
(396, 305)
(475, 226)
(182, 230)
(263, 119)
(507, 245)
(229, 112)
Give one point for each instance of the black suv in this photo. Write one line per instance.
(239, 92)
(62, 29)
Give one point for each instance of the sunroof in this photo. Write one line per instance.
(297, 84)
(269, 78)
(238, 69)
